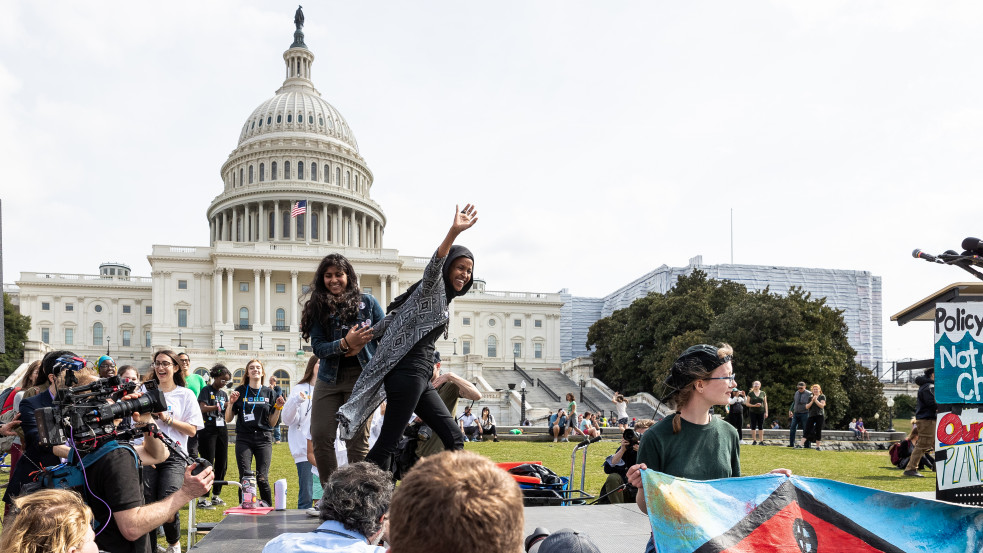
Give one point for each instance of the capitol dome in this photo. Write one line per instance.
(295, 109)
(296, 174)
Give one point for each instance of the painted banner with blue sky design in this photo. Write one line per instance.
(775, 513)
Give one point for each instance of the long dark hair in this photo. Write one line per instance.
(178, 376)
(323, 304)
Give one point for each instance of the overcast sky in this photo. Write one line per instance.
(599, 140)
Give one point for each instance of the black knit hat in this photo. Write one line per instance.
(693, 362)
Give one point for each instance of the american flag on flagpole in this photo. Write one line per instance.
(299, 208)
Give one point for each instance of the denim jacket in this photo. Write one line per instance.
(326, 341)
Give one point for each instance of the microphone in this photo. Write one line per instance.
(918, 254)
(974, 245)
(587, 442)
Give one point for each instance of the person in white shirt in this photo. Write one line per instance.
(297, 417)
(469, 425)
(354, 509)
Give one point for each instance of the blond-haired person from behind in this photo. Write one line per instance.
(478, 504)
(50, 521)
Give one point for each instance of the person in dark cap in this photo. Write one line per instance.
(693, 444)
(403, 364)
(567, 541)
(799, 412)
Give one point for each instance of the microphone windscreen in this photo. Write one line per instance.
(973, 244)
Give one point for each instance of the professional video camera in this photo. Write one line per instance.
(631, 437)
(85, 414)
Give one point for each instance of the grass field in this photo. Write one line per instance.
(863, 468)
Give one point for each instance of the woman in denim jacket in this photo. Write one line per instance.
(337, 319)
(404, 366)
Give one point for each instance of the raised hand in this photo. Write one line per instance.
(464, 218)
(358, 336)
(233, 397)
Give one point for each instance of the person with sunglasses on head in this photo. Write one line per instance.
(693, 443)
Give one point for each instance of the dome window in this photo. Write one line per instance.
(310, 119)
(313, 171)
(253, 126)
(262, 172)
(290, 118)
(320, 120)
(327, 172)
(273, 171)
(286, 169)
(250, 174)
(260, 121)
(240, 177)
(269, 120)
(300, 170)
(279, 118)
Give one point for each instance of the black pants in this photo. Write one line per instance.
(213, 444)
(260, 444)
(161, 481)
(814, 429)
(408, 390)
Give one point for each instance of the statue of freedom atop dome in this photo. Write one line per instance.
(299, 33)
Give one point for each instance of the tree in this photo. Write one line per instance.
(15, 328)
(777, 339)
(904, 406)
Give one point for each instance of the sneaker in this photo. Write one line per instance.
(495, 439)
(555, 440)
(565, 440)
(217, 501)
(914, 473)
(204, 504)
(176, 548)
(754, 442)
(313, 512)
(160, 549)
(790, 446)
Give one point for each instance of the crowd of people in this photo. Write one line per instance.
(361, 355)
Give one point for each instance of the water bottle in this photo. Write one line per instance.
(248, 489)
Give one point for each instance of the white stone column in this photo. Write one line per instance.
(235, 225)
(394, 287)
(324, 224)
(225, 226)
(337, 226)
(267, 273)
(217, 282)
(293, 302)
(383, 282)
(352, 229)
(256, 305)
(293, 224)
(264, 233)
(228, 296)
(276, 220)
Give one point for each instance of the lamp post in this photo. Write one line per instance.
(261, 340)
(221, 340)
(107, 344)
(522, 407)
(455, 346)
(179, 343)
(890, 404)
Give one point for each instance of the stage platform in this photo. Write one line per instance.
(614, 528)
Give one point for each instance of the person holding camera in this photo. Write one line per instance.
(112, 488)
(735, 410)
(616, 488)
(181, 421)
(558, 425)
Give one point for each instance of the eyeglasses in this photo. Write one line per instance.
(162, 364)
(731, 378)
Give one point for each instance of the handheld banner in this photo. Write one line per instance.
(775, 513)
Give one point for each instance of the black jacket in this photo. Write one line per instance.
(925, 408)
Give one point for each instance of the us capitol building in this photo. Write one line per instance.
(240, 297)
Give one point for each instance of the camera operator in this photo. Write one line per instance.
(616, 466)
(113, 485)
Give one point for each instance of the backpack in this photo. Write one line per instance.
(895, 452)
(7, 398)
